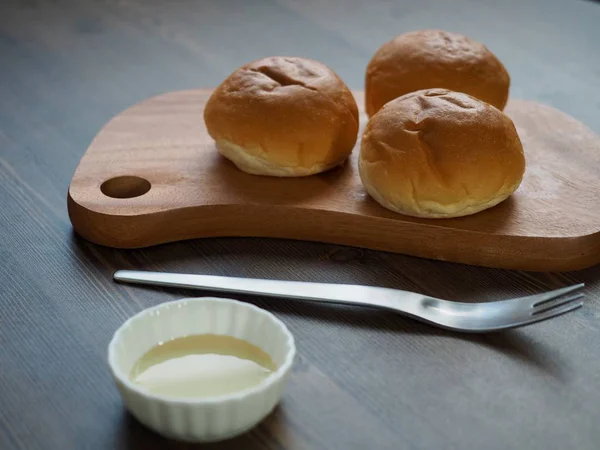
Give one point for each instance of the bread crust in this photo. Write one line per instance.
(436, 153)
(428, 59)
(283, 116)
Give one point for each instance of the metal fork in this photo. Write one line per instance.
(457, 316)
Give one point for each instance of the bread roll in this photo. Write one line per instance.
(437, 153)
(434, 59)
(284, 117)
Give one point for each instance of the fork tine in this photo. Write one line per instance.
(539, 299)
(552, 304)
(554, 312)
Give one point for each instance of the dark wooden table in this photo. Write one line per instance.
(363, 379)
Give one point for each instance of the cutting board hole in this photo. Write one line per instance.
(125, 187)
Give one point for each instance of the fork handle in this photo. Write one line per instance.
(319, 292)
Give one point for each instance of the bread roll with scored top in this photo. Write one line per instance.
(429, 59)
(437, 153)
(283, 116)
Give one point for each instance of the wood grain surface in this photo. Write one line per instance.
(364, 379)
(152, 175)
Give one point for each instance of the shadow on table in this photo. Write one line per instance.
(310, 261)
(515, 344)
(282, 259)
(271, 433)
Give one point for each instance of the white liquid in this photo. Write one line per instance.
(202, 366)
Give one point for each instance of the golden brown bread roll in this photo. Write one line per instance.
(428, 59)
(437, 153)
(283, 116)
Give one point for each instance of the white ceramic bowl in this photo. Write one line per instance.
(205, 419)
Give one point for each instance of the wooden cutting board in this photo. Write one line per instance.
(152, 175)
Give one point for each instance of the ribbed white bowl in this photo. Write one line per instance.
(206, 419)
